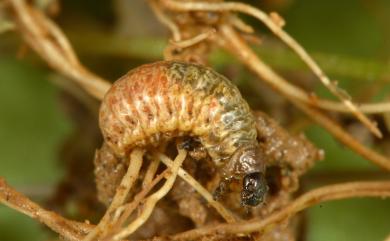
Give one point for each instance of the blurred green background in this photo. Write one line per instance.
(350, 39)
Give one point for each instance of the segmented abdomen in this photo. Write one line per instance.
(157, 102)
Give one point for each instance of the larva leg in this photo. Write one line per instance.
(222, 188)
(194, 148)
(109, 171)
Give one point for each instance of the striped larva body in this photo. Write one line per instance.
(155, 103)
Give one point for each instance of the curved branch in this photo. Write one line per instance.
(286, 38)
(50, 43)
(233, 43)
(71, 230)
(311, 198)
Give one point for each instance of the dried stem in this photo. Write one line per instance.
(226, 214)
(70, 230)
(97, 87)
(122, 191)
(388, 238)
(50, 43)
(121, 47)
(151, 171)
(343, 136)
(123, 212)
(241, 25)
(164, 19)
(233, 43)
(286, 38)
(192, 41)
(311, 198)
(151, 201)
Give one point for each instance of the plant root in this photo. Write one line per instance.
(311, 198)
(122, 191)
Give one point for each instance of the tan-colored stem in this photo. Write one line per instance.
(128, 208)
(234, 44)
(70, 230)
(151, 172)
(151, 201)
(286, 38)
(42, 35)
(164, 19)
(194, 40)
(226, 214)
(388, 238)
(311, 198)
(121, 193)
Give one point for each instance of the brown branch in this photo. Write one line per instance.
(225, 213)
(286, 38)
(135, 163)
(164, 19)
(194, 40)
(70, 230)
(42, 35)
(152, 200)
(130, 207)
(311, 198)
(233, 43)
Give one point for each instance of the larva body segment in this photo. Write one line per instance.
(157, 102)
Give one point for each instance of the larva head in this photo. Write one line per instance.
(247, 165)
(254, 188)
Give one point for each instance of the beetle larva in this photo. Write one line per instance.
(156, 102)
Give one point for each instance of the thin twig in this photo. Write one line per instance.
(71, 230)
(150, 172)
(127, 209)
(51, 44)
(194, 40)
(96, 86)
(164, 19)
(123, 47)
(241, 25)
(388, 238)
(343, 136)
(311, 198)
(228, 216)
(151, 201)
(286, 38)
(135, 163)
(233, 43)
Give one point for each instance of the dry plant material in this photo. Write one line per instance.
(164, 19)
(123, 212)
(388, 238)
(121, 194)
(71, 230)
(192, 41)
(311, 198)
(239, 48)
(50, 43)
(275, 23)
(151, 201)
(226, 214)
(151, 171)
